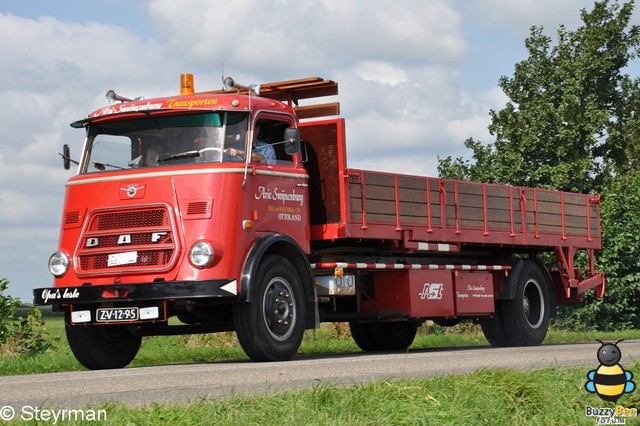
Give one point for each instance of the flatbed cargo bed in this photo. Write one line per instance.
(354, 203)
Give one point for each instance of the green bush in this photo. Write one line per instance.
(619, 259)
(20, 335)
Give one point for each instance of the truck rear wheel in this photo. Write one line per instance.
(526, 317)
(271, 326)
(524, 320)
(494, 330)
(383, 336)
(98, 347)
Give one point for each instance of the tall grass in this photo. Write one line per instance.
(486, 397)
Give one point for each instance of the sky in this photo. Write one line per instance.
(416, 79)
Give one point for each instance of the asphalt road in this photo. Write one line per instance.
(183, 383)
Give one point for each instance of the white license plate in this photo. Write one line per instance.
(116, 314)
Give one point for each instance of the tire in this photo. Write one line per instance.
(99, 347)
(383, 336)
(525, 319)
(361, 334)
(494, 330)
(271, 326)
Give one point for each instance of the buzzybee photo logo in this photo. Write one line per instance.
(610, 380)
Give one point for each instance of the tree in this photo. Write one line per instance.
(573, 123)
(572, 115)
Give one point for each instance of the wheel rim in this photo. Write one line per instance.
(533, 303)
(279, 309)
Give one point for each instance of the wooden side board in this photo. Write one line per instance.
(432, 203)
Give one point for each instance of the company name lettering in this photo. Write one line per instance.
(175, 103)
(128, 108)
(283, 196)
(476, 287)
(171, 103)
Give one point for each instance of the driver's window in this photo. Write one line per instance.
(270, 135)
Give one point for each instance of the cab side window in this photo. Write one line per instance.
(271, 132)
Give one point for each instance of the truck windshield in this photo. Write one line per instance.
(158, 141)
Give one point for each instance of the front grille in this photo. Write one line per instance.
(133, 240)
(133, 219)
(145, 259)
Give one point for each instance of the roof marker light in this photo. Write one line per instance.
(186, 84)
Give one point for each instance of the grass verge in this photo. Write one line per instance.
(485, 397)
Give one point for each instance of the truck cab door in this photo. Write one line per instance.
(279, 188)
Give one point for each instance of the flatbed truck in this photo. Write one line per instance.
(173, 225)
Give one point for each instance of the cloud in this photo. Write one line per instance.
(55, 72)
(407, 125)
(520, 15)
(318, 35)
(381, 72)
(17, 206)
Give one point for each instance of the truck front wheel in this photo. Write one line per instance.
(271, 326)
(98, 347)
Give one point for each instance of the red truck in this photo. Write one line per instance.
(176, 212)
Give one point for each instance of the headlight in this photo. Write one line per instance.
(201, 254)
(58, 264)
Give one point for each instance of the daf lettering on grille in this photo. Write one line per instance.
(123, 239)
(156, 236)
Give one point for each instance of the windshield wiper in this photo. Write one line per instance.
(178, 156)
(101, 166)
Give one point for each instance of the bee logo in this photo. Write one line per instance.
(609, 381)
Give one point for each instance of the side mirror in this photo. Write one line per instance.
(66, 156)
(292, 141)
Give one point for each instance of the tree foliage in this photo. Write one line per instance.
(571, 119)
(572, 123)
(19, 335)
(620, 261)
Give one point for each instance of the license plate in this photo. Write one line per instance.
(116, 314)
